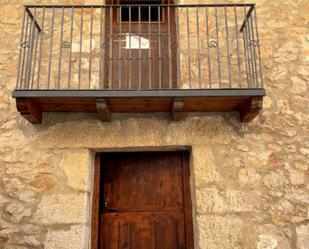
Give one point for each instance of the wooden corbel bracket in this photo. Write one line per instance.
(177, 109)
(29, 110)
(103, 109)
(251, 109)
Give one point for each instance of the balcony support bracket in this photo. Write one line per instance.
(29, 110)
(103, 109)
(177, 109)
(251, 109)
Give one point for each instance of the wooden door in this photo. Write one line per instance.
(145, 201)
(142, 50)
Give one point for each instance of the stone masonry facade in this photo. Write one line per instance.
(249, 182)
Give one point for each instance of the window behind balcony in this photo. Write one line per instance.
(142, 49)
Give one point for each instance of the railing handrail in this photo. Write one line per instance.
(249, 12)
(118, 5)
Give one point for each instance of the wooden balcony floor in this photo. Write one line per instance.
(31, 103)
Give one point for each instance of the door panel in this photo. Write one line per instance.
(143, 184)
(143, 231)
(143, 202)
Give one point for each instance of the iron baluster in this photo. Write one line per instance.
(259, 50)
(20, 50)
(70, 53)
(207, 45)
(237, 45)
(228, 47)
(90, 48)
(119, 48)
(41, 42)
(189, 53)
(30, 50)
(60, 49)
(80, 46)
(51, 45)
(101, 48)
(218, 47)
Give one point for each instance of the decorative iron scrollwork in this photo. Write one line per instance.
(254, 43)
(25, 44)
(66, 45)
(213, 44)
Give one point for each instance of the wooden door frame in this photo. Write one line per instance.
(186, 191)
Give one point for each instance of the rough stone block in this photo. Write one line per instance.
(75, 238)
(76, 167)
(217, 232)
(62, 209)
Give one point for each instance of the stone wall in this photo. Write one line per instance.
(249, 183)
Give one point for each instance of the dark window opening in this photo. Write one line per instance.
(147, 13)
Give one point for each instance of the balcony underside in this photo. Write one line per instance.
(31, 103)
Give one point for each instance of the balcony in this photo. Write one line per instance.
(130, 58)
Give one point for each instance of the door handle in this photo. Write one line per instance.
(109, 209)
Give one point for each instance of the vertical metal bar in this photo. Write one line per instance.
(80, 45)
(110, 47)
(189, 54)
(139, 50)
(208, 50)
(178, 51)
(24, 44)
(253, 45)
(218, 47)
(248, 30)
(159, 37)
(259, 51)
(35, 57)
(60, 48)
(51, 45)
(90, 47)
(169, 47)
(247, 57)
(130, 50)
(237, 46)
(246, 63)
(119, 48)
(20, 49)
(101, 48)
(41, 42)
(198, 47)
(228, 47)
(149, 50)
(30, 51)
(70, 54)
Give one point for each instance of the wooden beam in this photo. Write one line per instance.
(249, 110)
(29, 110)
(177, 109)
(103, 109)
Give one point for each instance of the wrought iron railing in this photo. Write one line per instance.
(134, 47)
